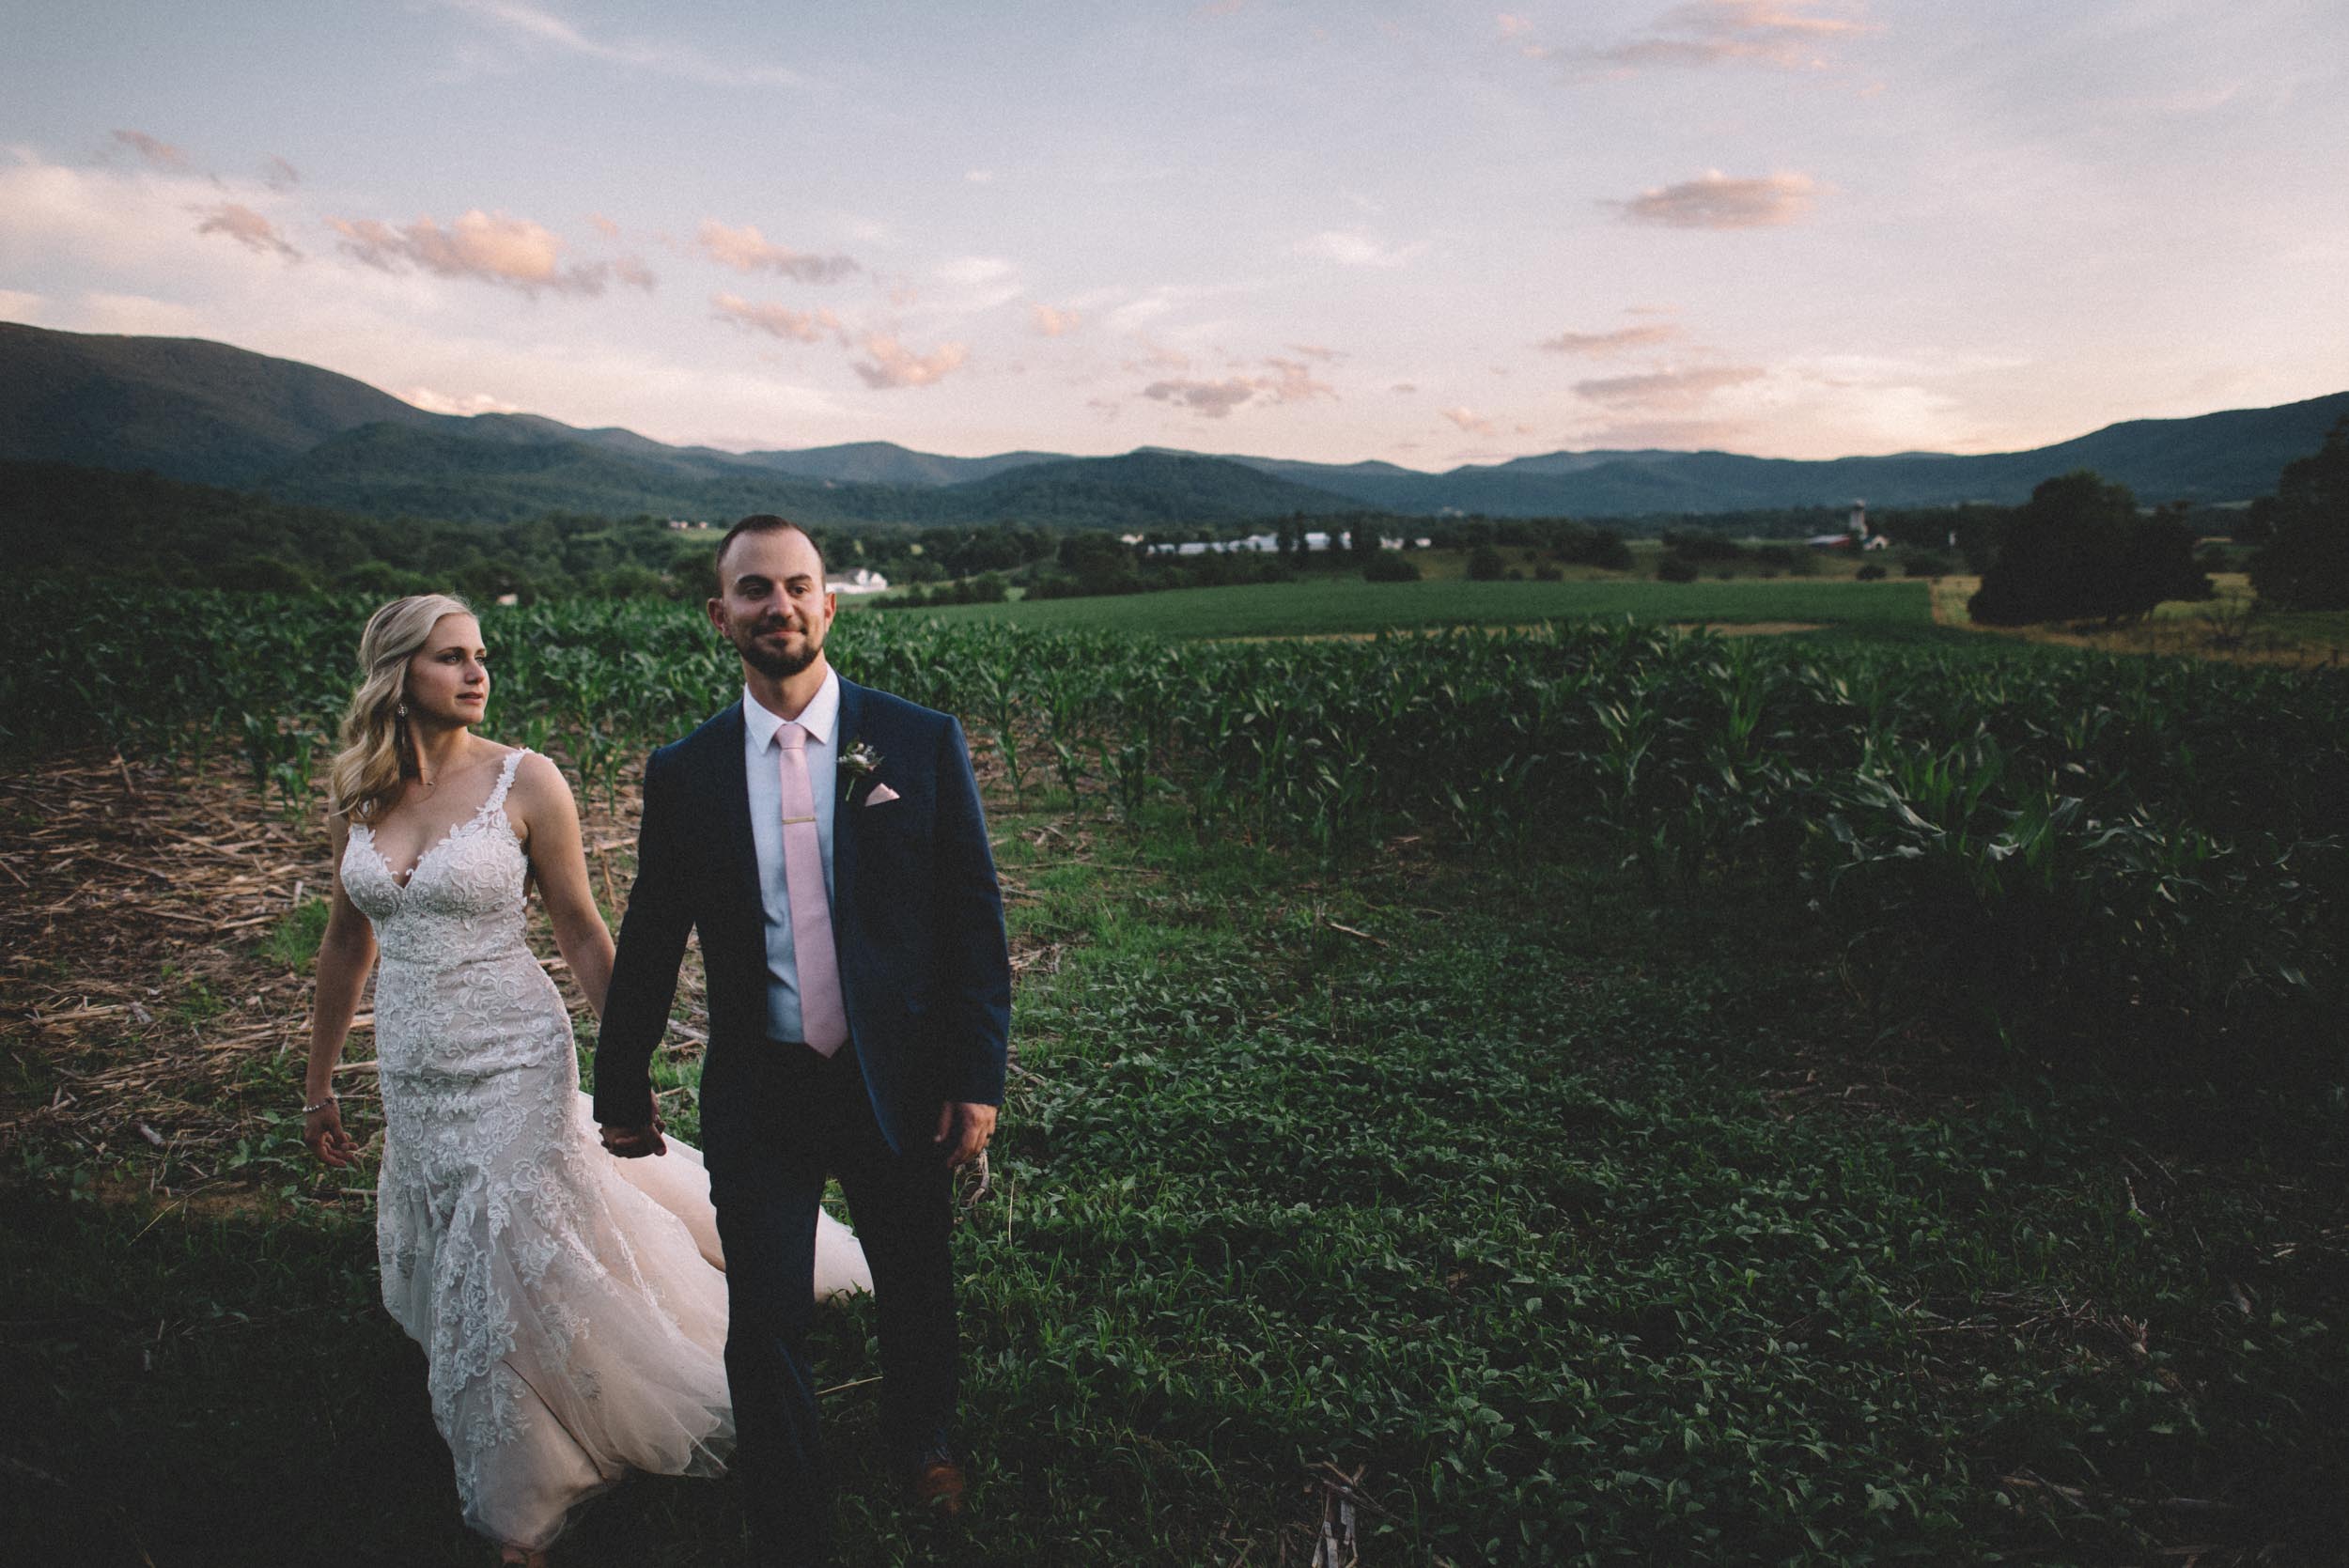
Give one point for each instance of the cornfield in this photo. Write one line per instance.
(2121, 848)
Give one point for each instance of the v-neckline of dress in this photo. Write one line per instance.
(495, 799)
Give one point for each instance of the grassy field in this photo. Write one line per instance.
(1346, 605)
(2228, 626)
(1836, 565)
(1863, 1097)
(1533, 1215)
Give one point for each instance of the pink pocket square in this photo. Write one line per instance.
(882, 794)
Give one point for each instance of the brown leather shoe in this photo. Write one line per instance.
(937, 1480)
(938, 1485)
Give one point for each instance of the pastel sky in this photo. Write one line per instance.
(1424, 233)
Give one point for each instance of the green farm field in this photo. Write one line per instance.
(1591, 1095)
(1344, 605)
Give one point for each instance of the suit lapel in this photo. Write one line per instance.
(734, 800)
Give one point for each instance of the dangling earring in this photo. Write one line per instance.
(401, 710)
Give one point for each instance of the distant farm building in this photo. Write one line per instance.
(1857, 535)
(1262, 544)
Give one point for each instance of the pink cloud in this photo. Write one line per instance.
(1603, 345)
(631, 271)
(1210, 399)
(800, 326)
(892, 364)
(491, 247)
(279, 175)
(1782, 37)
(746, 250)
(1314, 351)
(470, 403)
(160, 153)
(604, 226)
(1291, 382)
(1474, 423)
(1351, 247)
(1054, 323)
(1666, 389)
(247, 228)
(1715, 200)
(539, 28)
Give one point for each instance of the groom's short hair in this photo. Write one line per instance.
(763, 522)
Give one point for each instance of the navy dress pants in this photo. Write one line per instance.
(814, 1119)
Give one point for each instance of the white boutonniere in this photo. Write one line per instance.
(860, 764)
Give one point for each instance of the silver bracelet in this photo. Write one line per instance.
(331, 1098)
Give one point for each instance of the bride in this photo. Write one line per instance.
(570, 1306)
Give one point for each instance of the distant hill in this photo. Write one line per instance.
(1145, 489)
(884, 462)
(207, 413)
(517, 470)
(183, 406)
(2232, 456)
(510, 470)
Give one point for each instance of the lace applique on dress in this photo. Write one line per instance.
(573, 1322)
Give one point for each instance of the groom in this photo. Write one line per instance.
(826, 839)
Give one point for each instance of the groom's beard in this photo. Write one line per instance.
(776, 664)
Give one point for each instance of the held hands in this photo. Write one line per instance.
(636, 1143)
(323, 1130)
(968, 1139)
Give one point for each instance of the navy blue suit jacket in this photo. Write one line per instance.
(917, 920)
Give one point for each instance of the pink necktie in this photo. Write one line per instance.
(823, 1018)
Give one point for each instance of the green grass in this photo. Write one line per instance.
(293, 942)
(1587, 1226)
(1346, 605)
(2327, 629)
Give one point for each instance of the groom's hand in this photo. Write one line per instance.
(975, 1124)
(636, 1142)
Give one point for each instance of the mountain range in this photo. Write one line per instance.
(204, 411)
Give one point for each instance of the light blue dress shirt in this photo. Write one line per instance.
(761, 760)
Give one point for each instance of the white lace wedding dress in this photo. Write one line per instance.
(571, 1305)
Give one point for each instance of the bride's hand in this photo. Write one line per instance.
(323, 1130)
(636, 1143)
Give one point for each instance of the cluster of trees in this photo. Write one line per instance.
(2081, 549)
(1094, 563)
(987, 588)
(2303, 561)
(1546, 546)
(935, 555)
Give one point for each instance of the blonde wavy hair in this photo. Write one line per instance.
(376, 752)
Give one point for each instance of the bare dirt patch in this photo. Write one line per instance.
(149, 1013)
(148, 1019)
(1748, 628)
(132, 994)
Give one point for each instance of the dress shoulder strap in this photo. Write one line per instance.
(505, 780)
